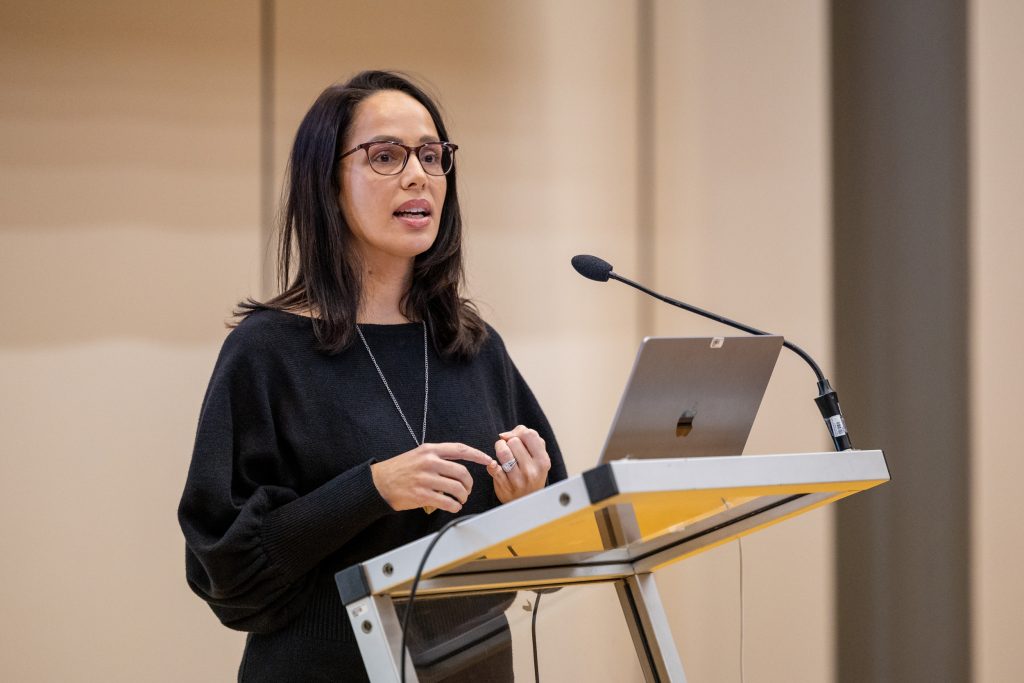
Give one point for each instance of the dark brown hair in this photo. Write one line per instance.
(327, 280)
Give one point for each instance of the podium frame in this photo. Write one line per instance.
(619, 522)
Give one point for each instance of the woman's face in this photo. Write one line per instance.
(385, 212)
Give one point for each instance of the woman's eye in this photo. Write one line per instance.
(386, 155)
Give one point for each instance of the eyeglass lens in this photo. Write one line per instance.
(389, 159)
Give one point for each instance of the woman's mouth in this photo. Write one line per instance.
(415, 213)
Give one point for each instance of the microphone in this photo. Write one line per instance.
(592, 267)
(599, 270)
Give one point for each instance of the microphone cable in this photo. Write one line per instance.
(451, 524)
(739, 545)
(599, 270)
(533, 634)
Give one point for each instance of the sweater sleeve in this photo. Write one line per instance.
(252, 541)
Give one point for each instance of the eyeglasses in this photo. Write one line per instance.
(390, 158)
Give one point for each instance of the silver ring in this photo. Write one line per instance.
(507, 466)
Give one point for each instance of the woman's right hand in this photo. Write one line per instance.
(421, 477)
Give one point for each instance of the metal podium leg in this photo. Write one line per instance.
(641, 603)
(379, 635)
(649, 628)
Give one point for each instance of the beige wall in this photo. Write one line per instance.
(129, 181)
(129, 187)
(742, 228)
(997, 323)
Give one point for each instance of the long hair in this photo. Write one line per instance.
(328, 277)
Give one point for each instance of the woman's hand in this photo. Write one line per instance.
(421, 477)
(530, 472)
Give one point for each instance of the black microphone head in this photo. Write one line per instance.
(592, 267)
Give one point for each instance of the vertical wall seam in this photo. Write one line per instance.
(645, 165)
(266, 142)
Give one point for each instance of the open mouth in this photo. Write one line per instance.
(413, 213)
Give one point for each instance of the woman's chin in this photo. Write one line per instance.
(417, 244)
(407, 250)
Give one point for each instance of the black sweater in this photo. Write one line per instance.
(279, 494)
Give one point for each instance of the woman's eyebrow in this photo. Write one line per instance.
(398, 138)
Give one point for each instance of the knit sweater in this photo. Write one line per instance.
(279, 495)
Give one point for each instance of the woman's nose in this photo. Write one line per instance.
(413, 172)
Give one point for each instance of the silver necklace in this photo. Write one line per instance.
(426, 386)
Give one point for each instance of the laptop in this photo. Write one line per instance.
(691, 396)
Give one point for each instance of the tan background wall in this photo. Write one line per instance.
(130, 189)
(997, 322)
(743, 229)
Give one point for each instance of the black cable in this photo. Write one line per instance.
(722, 319)
(743, 675)
(533, 632)
(416, 582)
(827, 399)
(599, 270)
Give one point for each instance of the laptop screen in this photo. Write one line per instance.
(691, 396)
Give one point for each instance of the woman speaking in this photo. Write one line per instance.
(365, 394)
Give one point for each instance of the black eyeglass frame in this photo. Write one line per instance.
(409, 151)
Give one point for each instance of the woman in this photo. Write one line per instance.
(369, 393)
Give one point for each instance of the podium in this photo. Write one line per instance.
(620, 522)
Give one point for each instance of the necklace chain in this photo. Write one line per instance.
(426, 386)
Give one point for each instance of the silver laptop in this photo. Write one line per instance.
(693, 396)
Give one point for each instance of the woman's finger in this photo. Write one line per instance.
(453, 487)
(494, 469)
(515, 431)
(457, 451)
(537, 447)
(454, 470)
(513, 473)
(525, 467)
(442, 502)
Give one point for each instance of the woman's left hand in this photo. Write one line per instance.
(526, 448)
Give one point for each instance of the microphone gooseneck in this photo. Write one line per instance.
(598, 269)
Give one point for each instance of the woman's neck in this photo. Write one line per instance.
(384, 286)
